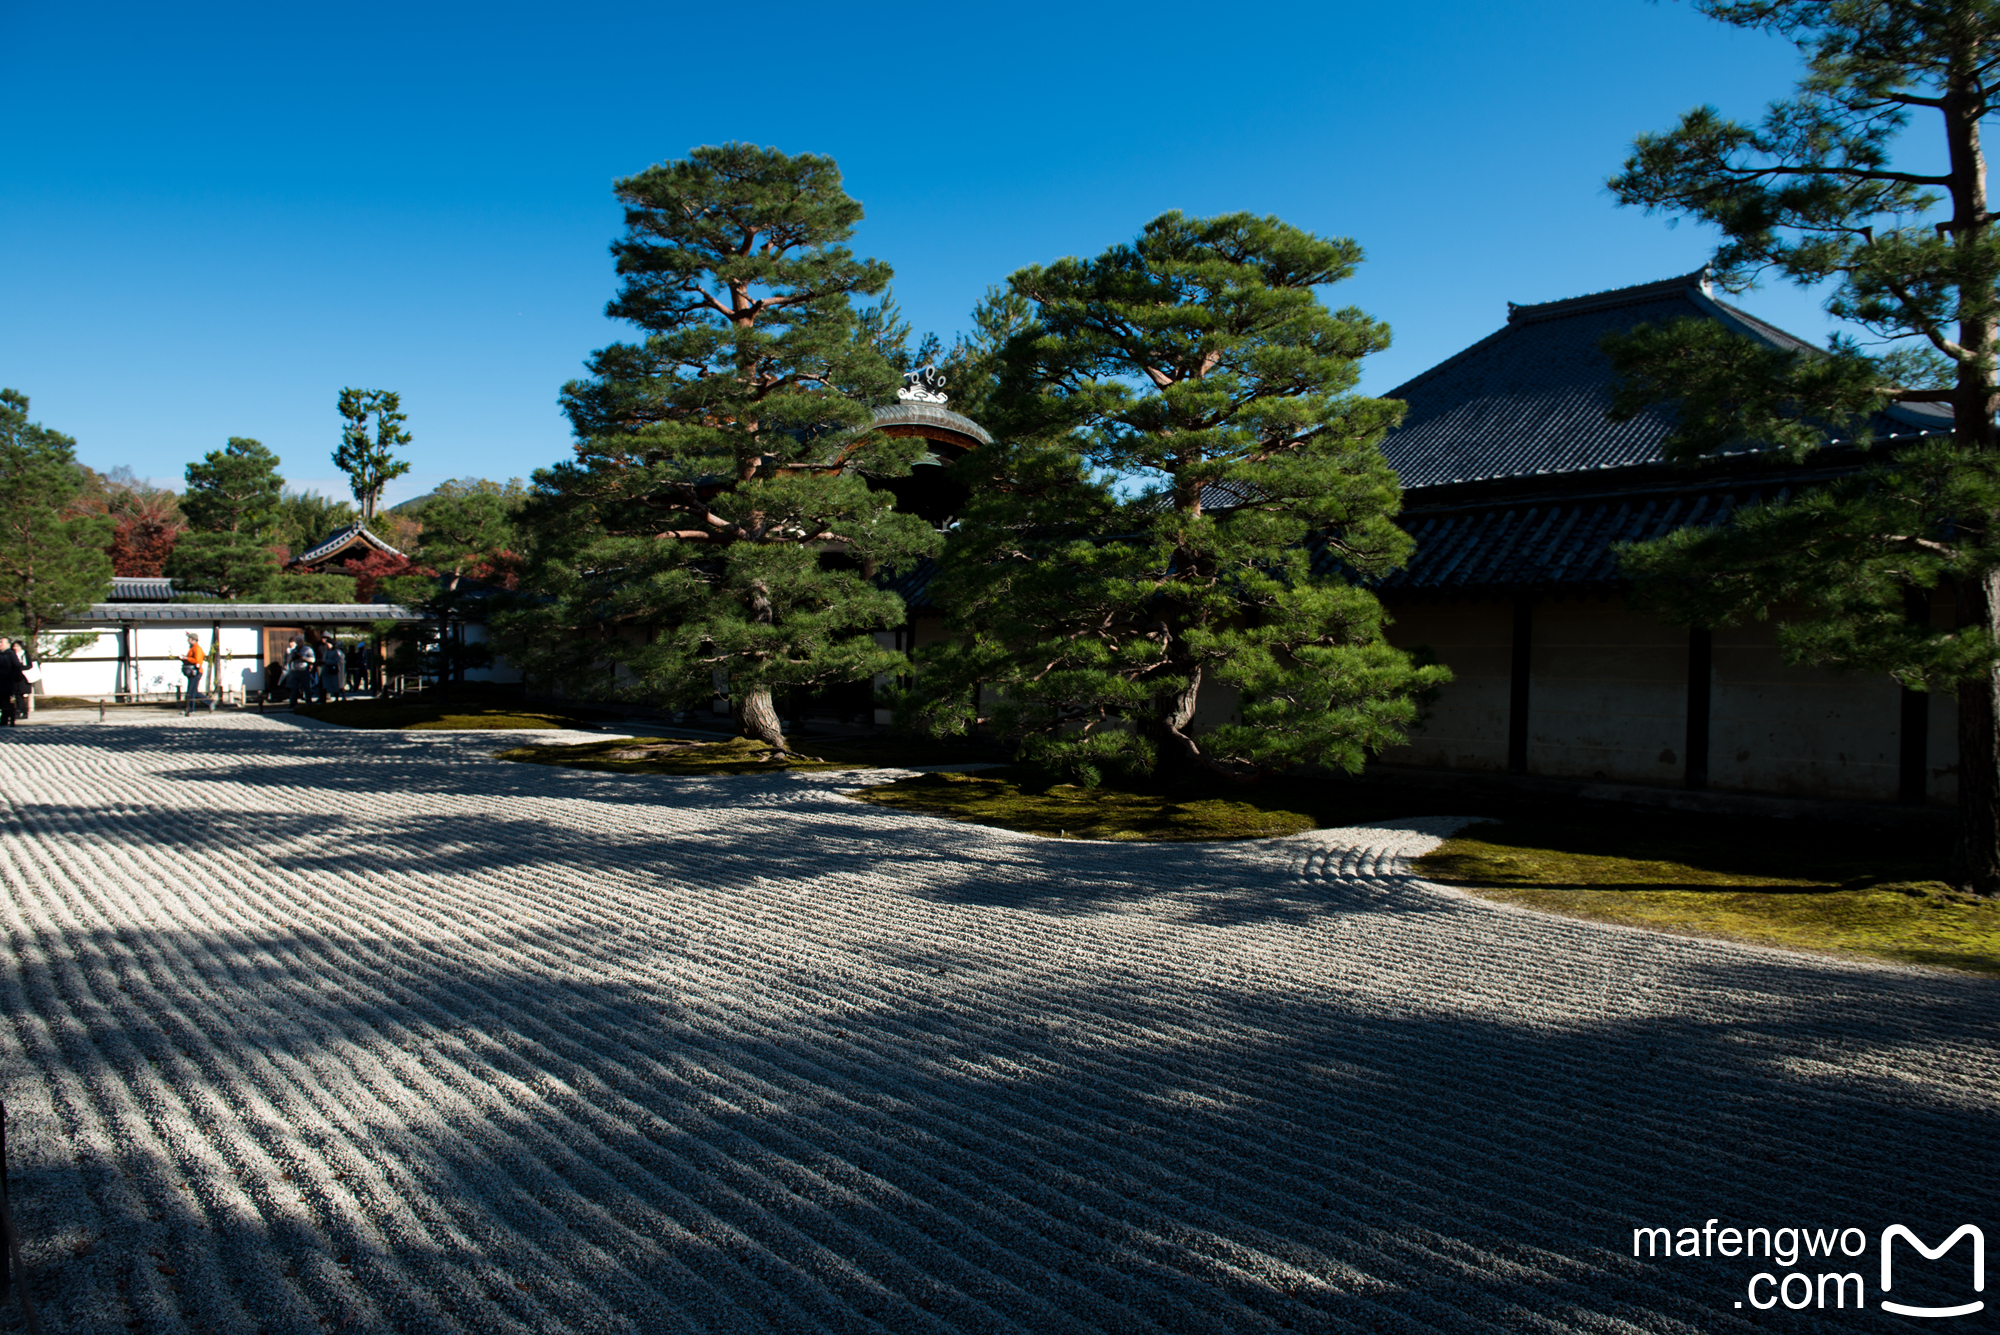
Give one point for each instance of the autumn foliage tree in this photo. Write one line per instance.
(146, 525)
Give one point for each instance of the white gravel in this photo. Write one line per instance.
(308, 1029)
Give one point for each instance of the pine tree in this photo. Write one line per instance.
(371, 463)
(717, 520)
(1198, 363)
(232, 506)
(52, 559)
(1911, 255)
(464, 543)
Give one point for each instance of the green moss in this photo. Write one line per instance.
(439, 715)
(1019, 799)
(1799, 885)
(1803, 885)
(666, 755)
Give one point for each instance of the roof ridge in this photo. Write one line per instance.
(1618, 296)
(1518, 314)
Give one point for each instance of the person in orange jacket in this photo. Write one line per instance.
(192, 663)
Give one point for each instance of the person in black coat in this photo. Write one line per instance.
(13, 681)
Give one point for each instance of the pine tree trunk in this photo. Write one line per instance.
(1977, 861)
(760, 719)
(1179, 714)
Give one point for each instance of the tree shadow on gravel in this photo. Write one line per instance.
(788, 1149)
(719, 1087)
(734, 828)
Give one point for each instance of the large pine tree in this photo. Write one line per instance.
(1910, 254)
(53, 562)
(717, 521)
(232, 504)
(1187, 496)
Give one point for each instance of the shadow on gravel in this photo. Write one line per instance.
(1220, 883)
(886, 1127)
(948, 1148)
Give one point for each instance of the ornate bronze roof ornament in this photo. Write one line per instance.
(923, 385)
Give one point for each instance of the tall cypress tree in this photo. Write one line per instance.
(1199, 363)
(232, 505)
(53, 562)
(1909, 252)
(717, 518)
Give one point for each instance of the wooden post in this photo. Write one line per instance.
(1701, 672)
(1913, 737)
(1517, 686)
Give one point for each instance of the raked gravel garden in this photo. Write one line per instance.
(310, 1029)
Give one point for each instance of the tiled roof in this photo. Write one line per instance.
(242, 614)
(141, 589)
(913, 586)
(1552, 544)
(1533, 397)
(912, 413)
(347, 537)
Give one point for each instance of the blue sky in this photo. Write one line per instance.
(214, 217)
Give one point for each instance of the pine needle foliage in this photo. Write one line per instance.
(53, 563)
(1816, 194)
(717, 522)
(1180, 440)
(233, 504)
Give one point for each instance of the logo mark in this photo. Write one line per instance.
(1894, 1231)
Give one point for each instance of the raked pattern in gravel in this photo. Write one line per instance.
(307, 1029)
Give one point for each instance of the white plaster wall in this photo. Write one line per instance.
(1608, 694)
(1941, 760)
(1799, 731)
(1467, 726)
(501, 671)
(924, 630)
(1941, 753)
(93, 669)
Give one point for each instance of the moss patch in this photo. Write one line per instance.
(1800, 885)
(444, 714)
(1805, 885)
(666, 755)
(1017, 798)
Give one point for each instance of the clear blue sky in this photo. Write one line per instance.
(213, 217)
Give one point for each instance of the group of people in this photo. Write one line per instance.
(317, 669)
(15, 683)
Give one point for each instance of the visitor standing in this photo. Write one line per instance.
(12, 681)
(298, 672)
(332, 671)
(193, 662)
(30, 674)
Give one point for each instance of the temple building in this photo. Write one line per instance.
(1518, 488)
(352, 543)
